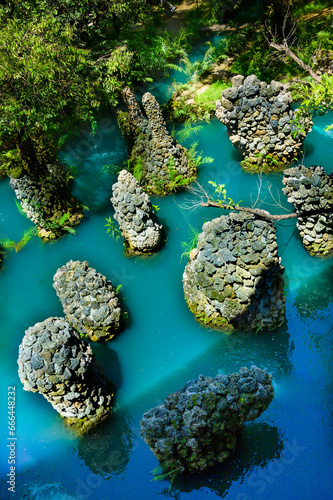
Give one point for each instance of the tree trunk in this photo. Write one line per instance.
(27, 154)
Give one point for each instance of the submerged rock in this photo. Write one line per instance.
(258, 117)
(54, 361)
(198, 425)
(234, 278)
(158, 162)
(139, 225)
(90, 303)
(48, 202)
(312, 189)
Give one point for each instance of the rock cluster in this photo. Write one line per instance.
(159, 163)
(198, 425)
(54, 361)
(89, 301)
(47, 201)
(138, 223)
(234, 278)
(30, 196)
(312, 189)
(258, 119)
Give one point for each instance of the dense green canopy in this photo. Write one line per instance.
(61, 61)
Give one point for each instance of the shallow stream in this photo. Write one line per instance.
(286, 453)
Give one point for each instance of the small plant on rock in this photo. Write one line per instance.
(113, 229)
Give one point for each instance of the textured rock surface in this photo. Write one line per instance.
(89, 301)
(139, 225)
(159, 163)
(47, 201)
(198, 425)
(234, 278)
(54, 361)
(257, 116)
(312, 189)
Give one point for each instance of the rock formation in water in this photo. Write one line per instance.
(197, 426)
(158, 162)
(89, 301)
(258, 118)
(138, 223)
(54, 361)
(312, 189)
(234, 278)
(48, 202)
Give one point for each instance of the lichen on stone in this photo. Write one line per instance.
(89, 301)
(234, 278)
(198, 426)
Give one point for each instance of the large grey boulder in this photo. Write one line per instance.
(159, 163)
(198, 425)
(234, 278)
(89, 301)
(54, 361)
(259, 117)
(139, 225)
(311, 189)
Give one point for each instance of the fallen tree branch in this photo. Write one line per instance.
(284, 48)
(264, 214)
(204, 200)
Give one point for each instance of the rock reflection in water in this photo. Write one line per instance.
(259, 444)
(107, 449)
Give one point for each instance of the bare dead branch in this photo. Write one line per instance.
(284, 49)
(264, 214)
(277, 202)
(204, 200)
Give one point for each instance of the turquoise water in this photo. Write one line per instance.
(286, 453)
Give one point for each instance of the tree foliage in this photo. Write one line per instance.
(44, 82)
(60, 62)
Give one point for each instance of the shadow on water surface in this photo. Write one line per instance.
(108, 359)
(269, 350)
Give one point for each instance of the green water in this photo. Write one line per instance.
(286, 453)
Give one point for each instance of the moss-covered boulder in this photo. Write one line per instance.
(259, 121)
(48, 202)
(89, 301)
(198, 426)
(234, 278)
(134, 213)
(157, 161)
(311, 189)
(54, 361)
